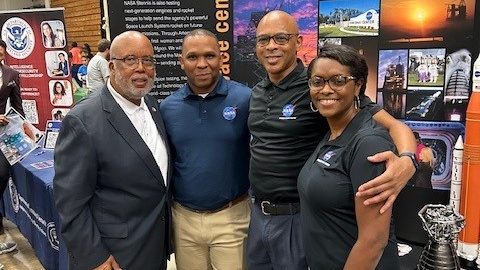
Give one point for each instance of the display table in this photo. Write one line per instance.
(30, 205)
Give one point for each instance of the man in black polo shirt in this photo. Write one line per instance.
(285, 131)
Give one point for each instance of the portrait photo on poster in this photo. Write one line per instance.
(58, 113)
(53, 34)
(60, 92)
(57, 63)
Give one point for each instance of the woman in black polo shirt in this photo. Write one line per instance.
(339, 231)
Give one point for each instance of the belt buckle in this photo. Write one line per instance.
(262, 205)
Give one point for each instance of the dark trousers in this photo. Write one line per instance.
(4, 175)
(275, 242)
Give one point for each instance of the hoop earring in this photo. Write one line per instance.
(312, 107)
(356, 102)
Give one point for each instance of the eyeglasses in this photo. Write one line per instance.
(336, 82)
(133, 61)
(279, 39)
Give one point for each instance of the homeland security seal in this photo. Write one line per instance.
(18, 35)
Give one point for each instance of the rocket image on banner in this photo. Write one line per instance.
(470, 196)
(456, 180)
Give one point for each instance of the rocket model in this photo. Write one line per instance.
(456, 180)
(470, 197)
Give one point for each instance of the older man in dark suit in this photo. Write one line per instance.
(9, 88)
(112, 168)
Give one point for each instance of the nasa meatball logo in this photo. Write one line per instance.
(369, 15)
(13, 195)
(229, 113)
(328, 155)
(52, 235)
(18, 35)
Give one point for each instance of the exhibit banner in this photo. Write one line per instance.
(166, 23)
(37, 49)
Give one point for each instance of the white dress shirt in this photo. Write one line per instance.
(143, 122)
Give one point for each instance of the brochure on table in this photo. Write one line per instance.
(18, 138)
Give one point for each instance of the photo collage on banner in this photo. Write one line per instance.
(37, 49)
(419, 67)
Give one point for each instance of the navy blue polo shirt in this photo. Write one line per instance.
(210, 142)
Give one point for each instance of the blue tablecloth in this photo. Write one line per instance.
(30, 205)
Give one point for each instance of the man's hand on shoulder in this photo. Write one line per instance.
(109, 264)
(387, 186)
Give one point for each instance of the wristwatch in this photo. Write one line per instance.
(412, 157)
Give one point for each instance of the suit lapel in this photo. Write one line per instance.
(155, 112)
(122, 124)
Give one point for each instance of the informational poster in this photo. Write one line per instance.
(37, 49)
(52, 130)
(166, 23)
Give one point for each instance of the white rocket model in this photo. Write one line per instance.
(456, 180)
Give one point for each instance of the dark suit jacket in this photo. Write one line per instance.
(10, 89)
(63, 67)
(108, 189)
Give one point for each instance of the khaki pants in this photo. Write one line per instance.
(211, 241)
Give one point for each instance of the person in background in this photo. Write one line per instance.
(82, 71)
(86, 50)
(76, 61)
(9, 88)
(50, 40)
(211, 208)
(113, 202)
(339, 231)
(97, 69)
(285, 132)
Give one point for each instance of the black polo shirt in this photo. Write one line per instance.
(285, 131)
(327, 185)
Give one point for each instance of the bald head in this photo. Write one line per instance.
(128, 39)
(279, 16)
(279, 43)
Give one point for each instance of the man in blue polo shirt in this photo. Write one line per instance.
(206, 121)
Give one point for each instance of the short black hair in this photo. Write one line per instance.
(346, 56)
(3, 44)
(74, 44)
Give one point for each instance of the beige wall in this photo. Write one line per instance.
(82, 20)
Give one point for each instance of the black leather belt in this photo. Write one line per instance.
(233, 202)
(276, 209)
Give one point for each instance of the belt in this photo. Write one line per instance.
(276, 209)
(233, 202)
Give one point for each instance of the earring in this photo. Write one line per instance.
(356, 102)
(312, 107)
